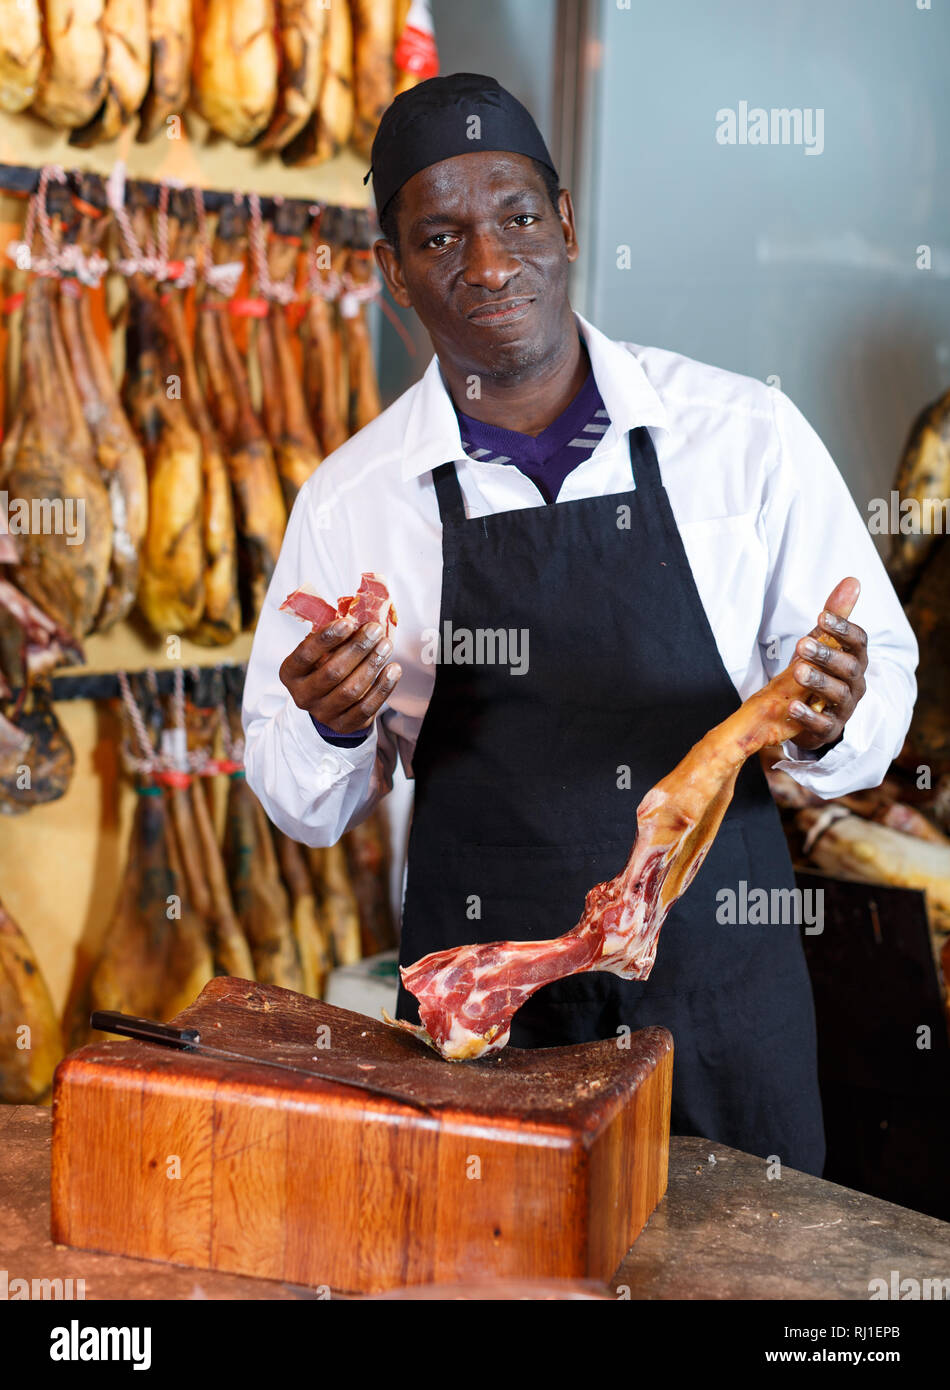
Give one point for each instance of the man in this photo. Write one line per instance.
(595, 551)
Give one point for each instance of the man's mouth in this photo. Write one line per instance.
(502, 310)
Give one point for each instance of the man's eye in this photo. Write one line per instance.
(437, 237)
(521, 215)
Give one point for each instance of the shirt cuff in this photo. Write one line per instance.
(857, 760)
(352, 740)
(811, 755)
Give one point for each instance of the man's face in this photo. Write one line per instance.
(477, 231)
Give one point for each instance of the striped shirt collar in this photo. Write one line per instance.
(433, 436)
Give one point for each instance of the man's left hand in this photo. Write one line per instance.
(837, 676)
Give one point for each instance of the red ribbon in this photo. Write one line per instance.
(249, 308)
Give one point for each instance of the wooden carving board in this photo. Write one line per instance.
(532, 1164)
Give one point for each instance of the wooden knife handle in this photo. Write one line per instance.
(145, 1029)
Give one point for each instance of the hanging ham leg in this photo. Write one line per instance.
(155, 957)
(296, 451)
(259, 504)
(231, 951)
(53, 465)
(171, 39)
(302, 27)
(119, 452)
(125, 24)
(48, 757)
(259, 897)
(469, 995)
(312, 945)
(328, 129)
(21, 53)
(171, 587)
(374, 38)
(27, 1059)
(72, 83)
(323, 347)
(221, 618)
(235, 67)
(363, 402)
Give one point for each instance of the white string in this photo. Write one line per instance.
(223, 278)
(148, 763)
(60, 260)
(282, 291)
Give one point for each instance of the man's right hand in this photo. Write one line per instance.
(339, 675)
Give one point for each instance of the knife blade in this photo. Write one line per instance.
(189, 1040)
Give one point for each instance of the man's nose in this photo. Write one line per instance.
(489, 262)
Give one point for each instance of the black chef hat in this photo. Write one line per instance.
(431, 122)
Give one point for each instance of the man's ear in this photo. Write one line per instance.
(391, 271)
(566, 214)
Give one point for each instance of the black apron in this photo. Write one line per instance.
(526, 789)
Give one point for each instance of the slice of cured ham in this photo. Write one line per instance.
(370, 603)
(468, 995)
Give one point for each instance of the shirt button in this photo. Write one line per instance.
(325, 769)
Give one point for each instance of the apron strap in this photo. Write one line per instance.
(643, 466)
(643, 461)
(449, 493)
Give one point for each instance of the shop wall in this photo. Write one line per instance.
(763, 259)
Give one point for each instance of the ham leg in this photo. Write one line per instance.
(468, 995)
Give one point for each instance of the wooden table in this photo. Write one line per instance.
(723, 1231)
